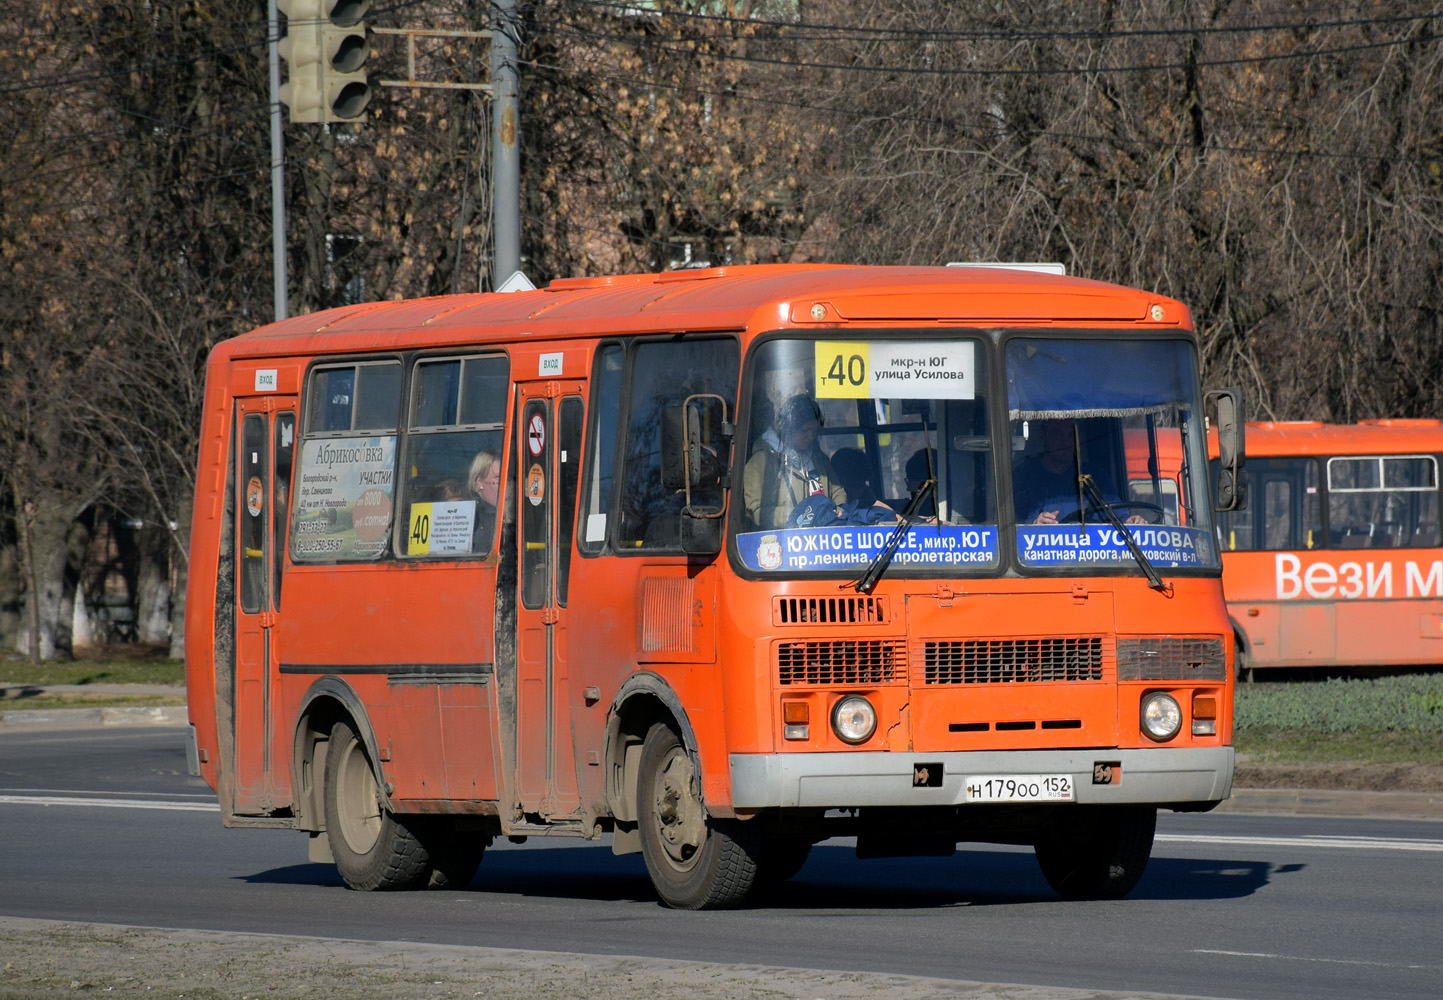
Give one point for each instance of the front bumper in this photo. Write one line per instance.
(1152, 776)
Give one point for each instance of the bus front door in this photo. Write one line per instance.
(265, 448)
(548, 461)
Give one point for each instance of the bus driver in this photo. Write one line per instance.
(777, 479)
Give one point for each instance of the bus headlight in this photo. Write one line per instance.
(1161, 716)
(854, 720)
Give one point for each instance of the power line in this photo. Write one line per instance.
(952, 123)
(865, 32)
(643, 44)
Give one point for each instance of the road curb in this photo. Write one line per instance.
(70, 718)
(1321, 802)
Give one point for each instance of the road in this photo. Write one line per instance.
(105, 826)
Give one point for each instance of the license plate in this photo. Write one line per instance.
(1019, 788)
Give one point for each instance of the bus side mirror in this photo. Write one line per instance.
(1231, 485)
(680, 447)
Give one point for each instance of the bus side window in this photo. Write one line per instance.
(451, 490)
(663, 374)
(601, 460)
(343, 509)
(285, 447)
(568, 437)
(1287, 513)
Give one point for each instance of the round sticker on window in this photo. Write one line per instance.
(535, 485)
(255, 496)
(371, 515)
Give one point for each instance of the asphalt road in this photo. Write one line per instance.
(105, 826)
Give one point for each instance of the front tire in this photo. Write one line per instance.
(1100, 853)
(373, 848)
(695, 862)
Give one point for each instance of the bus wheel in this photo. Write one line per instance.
(1099, 854)
(372, 847)
(696, 863)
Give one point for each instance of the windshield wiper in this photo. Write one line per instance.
(1156, 582)
(869, 579)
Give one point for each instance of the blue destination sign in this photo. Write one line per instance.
(840, 546)
(1071, 545)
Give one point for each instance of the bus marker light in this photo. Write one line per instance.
(796, 718)
(1204, 716)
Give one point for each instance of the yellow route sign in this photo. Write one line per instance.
(896, 369)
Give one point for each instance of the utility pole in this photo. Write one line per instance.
(505, 147)
(279, 265)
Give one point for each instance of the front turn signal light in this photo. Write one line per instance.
(796, 720)
(1204, 715)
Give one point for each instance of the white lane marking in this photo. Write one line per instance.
(1361, 843)
(63, 800)
(1304, 958)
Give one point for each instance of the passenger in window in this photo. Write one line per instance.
(448, 489)
(778, 478)
(855, 473)
(485, 480)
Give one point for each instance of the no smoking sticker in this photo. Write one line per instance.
(536, 435)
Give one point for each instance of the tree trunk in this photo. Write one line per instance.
(152, 585)
(11, 595)
(46, 555)
(181, 576)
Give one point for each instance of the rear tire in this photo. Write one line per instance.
(374, 849)
(1100, 853)
(695, 862)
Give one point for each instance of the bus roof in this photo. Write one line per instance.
(1367, 437)
(760, 296)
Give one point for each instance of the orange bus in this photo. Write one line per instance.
(1337, 560)
(719, 563)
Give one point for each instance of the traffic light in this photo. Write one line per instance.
(325, 50)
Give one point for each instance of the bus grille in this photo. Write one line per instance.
(856, 610)
(841, 661)
(1171, 658)
(1014, 661)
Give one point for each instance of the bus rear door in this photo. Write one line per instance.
(264, 454)
(548, 462)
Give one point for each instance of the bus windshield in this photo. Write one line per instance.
(1118, 416)
(842, 435)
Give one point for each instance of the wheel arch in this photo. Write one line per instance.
(327, 701)
(1242, 649)
(643, 700)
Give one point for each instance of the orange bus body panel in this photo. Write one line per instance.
(1344, 602)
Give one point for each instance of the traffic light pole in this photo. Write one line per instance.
(278, 172)
(505, 145)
